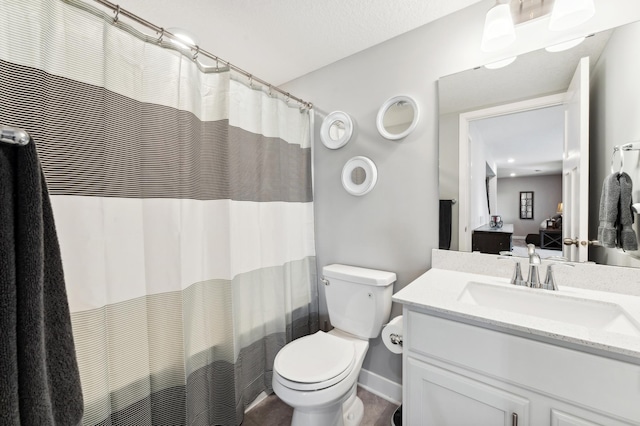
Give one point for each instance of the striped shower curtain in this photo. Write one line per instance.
(183, 204)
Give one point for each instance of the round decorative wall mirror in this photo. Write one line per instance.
(359, 175)
(336, 130)
(397, 117)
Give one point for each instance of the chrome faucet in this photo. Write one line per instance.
(533, 280)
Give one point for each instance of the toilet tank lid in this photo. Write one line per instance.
(359, 275)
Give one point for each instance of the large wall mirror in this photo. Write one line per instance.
(517, 144)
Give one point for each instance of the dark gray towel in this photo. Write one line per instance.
(626, 236)
(445, 224)
(39, 378)
(608, 216)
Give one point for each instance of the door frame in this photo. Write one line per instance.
(464, 234)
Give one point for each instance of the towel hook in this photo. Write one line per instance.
(613, 155)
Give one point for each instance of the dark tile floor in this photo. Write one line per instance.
(273, 412)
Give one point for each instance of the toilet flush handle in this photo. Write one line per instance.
(325, 281)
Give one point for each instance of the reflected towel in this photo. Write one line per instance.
(445, 224)
(608, 216)
(39, 378)
(626, 235)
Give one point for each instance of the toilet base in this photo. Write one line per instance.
(353, 410)
(347, 413)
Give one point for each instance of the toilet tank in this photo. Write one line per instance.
(358, 299)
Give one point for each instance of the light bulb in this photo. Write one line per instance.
(567, 14)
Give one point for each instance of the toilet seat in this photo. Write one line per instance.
(314, 362)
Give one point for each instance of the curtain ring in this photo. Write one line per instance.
(250, 81)
(270, 93)
(115, 18)
(286, 99)
(195, 55)
(613, 156)
(161, 35)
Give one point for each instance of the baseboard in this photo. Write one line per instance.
(257, 401)
(381, 386)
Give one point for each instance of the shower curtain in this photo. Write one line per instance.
(183, 202)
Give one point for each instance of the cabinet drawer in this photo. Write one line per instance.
(605, 384)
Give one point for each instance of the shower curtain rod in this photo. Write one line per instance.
(14, 136)
(197, 49)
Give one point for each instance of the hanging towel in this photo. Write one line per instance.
(626, 235)
(445, 224)
(609, 200)
(39, 379)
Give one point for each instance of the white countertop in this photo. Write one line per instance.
(438, 291)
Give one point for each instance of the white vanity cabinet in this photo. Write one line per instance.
(460, 373)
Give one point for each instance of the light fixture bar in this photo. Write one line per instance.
(527, 10)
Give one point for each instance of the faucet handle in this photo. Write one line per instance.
(516, 278)
(550, 281)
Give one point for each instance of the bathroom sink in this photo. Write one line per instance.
(592, 314)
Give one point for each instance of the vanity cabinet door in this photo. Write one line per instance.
(441, 397)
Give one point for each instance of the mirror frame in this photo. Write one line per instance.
(385, 107)
(325, 128)
(369, 181)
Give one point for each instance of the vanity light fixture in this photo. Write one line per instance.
(499, 26)
(499, 31)
(570, 13)
(500, 64)
(565, 45)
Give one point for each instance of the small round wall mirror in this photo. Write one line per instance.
(336, 130)
(359, 175)
(397, 117)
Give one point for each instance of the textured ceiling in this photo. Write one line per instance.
(533, 139)
(280, 40)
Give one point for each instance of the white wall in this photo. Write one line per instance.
(615, 120)
(547, 193)
(479, 158)
(395, 226)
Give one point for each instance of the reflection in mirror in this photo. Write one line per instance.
(358, 175)
(535, 75)
(397, 117)
(336, 130)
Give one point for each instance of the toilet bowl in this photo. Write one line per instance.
(317, 375)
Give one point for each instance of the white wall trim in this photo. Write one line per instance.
(381, 386)
(464, 234)
(263, 395)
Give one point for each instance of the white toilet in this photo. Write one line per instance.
(317, 374)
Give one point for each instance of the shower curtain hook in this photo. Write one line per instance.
(250, 81)
(270, 93)
(217, 65)
(286, 99)
(115, 18)
(195, 55)
(161, 35)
